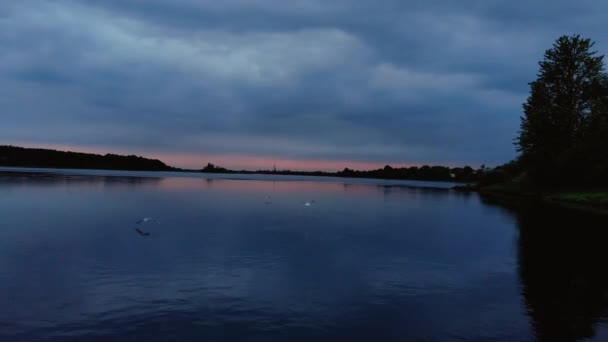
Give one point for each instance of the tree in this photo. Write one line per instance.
(564, 99)
(594, 149)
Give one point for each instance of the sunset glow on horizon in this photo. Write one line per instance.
(232, 162)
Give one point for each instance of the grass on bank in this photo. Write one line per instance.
(520, 187)
(598, 198)
(516, 186)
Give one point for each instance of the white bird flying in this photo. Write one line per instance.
(146, 219)
(143, 220)
(309, 203)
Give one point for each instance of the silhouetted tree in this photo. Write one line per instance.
(567, 96)
(210, 168)
(588, 160)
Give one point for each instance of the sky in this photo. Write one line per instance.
(249, 84)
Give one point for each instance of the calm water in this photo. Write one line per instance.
(369, 260)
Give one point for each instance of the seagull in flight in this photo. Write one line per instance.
(145, 219)
(309, 203)
(142, 233)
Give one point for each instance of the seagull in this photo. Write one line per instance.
(268, 200)
(309, 203)
(142, 233)
(145, 219)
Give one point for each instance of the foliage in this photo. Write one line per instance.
(36, 157)
(585, 197)
(500, 174)
(564, 130)
(425, 172)
(210, 168)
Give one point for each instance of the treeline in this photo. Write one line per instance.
(46, 158)
(427, 173)
(210, 168)
(508, 172)
(297, 173)
(564, 130)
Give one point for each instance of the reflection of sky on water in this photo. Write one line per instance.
(365, 261)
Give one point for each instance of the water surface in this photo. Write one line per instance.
(370, 259)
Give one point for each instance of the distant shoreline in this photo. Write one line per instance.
(20, 157)
(227, 176)
(32, 169)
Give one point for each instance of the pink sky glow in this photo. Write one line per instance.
(234, 162)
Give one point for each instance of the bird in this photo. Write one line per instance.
(268, 200)
(309, 203)
(142, 233)
(145, 219)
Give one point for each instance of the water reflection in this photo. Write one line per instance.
(368, 261)
(20, 179)
(196, 182)
(562, 263)
(562, 260)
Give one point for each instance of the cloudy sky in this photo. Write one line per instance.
(311, 84)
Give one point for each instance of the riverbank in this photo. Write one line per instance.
(593, 201)
(596, 202)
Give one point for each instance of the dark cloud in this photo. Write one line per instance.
(383, 81)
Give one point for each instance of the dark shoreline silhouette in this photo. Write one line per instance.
(13, 156)
(423, 173)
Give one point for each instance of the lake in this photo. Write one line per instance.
(243, 258)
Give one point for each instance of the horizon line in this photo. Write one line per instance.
(234, 162)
